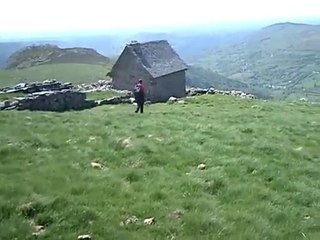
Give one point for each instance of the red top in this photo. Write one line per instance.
(142, 88)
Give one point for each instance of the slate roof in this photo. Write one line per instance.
(157, 57)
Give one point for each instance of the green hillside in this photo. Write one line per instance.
(36, 55)
(198, 76)
(284, 58)
(41, 62)
(66, 72)
(261, 176)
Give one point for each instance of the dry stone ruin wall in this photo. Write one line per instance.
(55, 101)
(51, 95)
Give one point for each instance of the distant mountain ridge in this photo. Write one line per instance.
(287, 24)
(49, 54)
(283, 58)
(189, 45)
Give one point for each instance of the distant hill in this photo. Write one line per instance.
(63, 72)
(49, 54)
(284, 58)
(201, 77)
(198, 76)
(8, 48)
(40, 62)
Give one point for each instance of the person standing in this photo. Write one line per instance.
(139, 95)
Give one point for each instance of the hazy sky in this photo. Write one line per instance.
(26, 16)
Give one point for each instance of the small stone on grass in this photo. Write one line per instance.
(39, 229)
(97, 165)
(149, 221)
(201, 166)
(91, 139)
(126, 143)
(84, 237)
(129, 220)
(306, 217)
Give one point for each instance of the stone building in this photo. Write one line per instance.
(157, 64)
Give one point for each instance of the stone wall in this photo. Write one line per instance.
(101, 85)
(58, 101)
(201, 91)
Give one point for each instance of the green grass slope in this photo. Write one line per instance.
(283, 58)
(261, 180)
(64, 72)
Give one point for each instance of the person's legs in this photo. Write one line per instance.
(137, 109)
(141, 107)
(138, 105)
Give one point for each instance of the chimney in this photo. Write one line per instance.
(136, 47)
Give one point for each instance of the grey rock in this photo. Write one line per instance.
(14, 103)
(2, 106)
(84, 237)
(10, 108)
(7, 103)
(12, 90)
(21, 85)
(172, 100)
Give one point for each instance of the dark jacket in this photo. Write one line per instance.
(142, 94)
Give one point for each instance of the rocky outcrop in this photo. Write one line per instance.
(57, 101)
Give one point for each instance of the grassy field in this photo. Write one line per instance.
(261, 179)
(66, 72)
